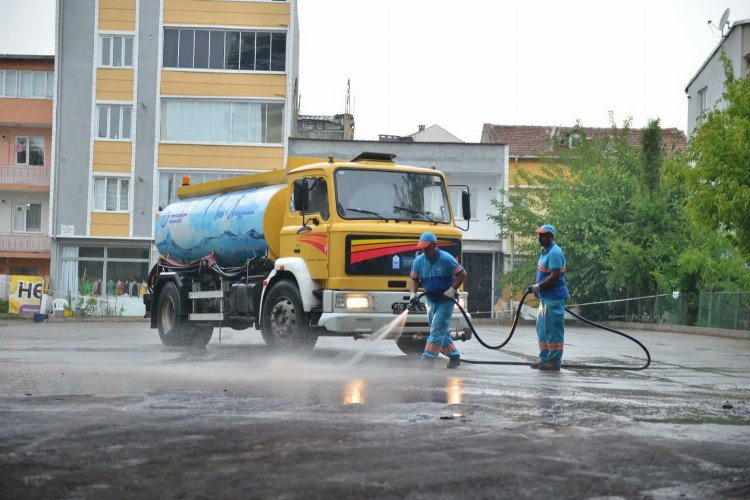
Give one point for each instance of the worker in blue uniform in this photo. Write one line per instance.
(441, 276)
(552, 292)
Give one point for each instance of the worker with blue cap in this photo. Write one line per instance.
(440, 275)
(552, 292)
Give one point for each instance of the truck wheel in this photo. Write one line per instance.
(284, 324)
(173, 329)
(410, 345)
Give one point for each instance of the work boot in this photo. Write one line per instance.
(426, 363)
(534, 365)
(549, 366)
(454, 362)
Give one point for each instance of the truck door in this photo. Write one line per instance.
(310, 239)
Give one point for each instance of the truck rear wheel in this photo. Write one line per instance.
(284, 323)
(175, 330)
(411, 345)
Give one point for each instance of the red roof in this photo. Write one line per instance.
(532, 141)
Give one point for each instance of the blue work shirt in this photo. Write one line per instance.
(437, 275)
(552, 258)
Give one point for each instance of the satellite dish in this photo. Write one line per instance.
(724, 20)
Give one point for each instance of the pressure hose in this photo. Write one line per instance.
(513, 329)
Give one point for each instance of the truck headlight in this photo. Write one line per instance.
(353, 301)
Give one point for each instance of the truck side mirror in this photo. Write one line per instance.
(466, 204)
(299, 195)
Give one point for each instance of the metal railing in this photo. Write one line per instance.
(22, 242)
(24, 175)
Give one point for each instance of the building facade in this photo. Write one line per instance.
(433, 133)
(705, 89)
(336, 127)
(481, 167)
(26, 88)
(147, 92)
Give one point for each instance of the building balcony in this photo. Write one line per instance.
(28, 178)
(24, 243)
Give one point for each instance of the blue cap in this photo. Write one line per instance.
(426, 238)
(547, 228)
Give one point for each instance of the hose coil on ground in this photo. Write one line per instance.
(580, 366)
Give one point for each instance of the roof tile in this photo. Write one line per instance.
(532, 141)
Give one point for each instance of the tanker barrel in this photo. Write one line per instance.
(229, 225)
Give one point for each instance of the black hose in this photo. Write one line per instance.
(513, 329)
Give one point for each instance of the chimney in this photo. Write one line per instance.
(421, 128)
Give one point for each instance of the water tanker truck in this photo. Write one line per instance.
(322, 249)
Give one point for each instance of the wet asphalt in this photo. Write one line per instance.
(103, 410)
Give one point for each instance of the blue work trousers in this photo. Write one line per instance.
(441, 312)
(550, 329)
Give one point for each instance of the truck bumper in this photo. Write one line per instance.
(379, 314)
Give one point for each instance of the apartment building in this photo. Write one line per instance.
(149, 91)
(705, 88)
(26, 87)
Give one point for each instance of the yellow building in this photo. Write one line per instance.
(147, 92)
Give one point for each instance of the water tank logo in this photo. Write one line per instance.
(163, 220)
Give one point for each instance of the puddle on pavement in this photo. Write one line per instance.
(360, 391)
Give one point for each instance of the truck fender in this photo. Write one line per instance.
(297, 267)
(162, 279)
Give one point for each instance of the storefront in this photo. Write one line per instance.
(102, 279)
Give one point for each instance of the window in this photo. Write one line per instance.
(116, 51)
(117, 278)
(224, 49)
(379, 194)
(169, 181)
(27, 217)
(26, 84)
(29, 150)
(113, 121)
(8, 83)
(111, 194)
(702, 103)
(316, 201)
(222, 121)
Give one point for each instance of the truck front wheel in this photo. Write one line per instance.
(284, 323)
(174, 330)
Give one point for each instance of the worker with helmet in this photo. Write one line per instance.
(441, 276)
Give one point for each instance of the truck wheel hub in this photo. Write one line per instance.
(283, 318)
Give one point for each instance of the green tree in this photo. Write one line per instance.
(586, 194)
(718, 175)
(622, 222)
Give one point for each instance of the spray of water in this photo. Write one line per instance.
(397, 323)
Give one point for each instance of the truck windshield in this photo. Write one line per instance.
(380, 194)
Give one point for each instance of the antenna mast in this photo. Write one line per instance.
(347, 103)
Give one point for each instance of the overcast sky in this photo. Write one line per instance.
(461, 64)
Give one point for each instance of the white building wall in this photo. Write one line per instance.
(711, 75)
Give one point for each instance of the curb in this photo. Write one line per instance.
(619, 325)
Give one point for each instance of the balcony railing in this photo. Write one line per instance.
(30, 176)
(22, 242)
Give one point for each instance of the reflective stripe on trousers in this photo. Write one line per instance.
(550, 330)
